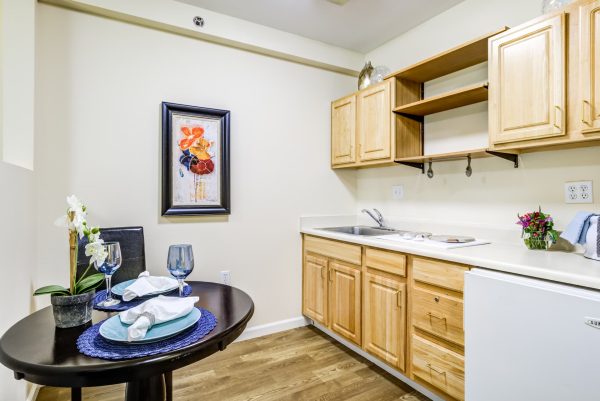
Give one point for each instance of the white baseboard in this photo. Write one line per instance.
(270, 328)
(33, 392)
(377, 362)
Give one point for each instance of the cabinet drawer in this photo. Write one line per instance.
(387, 261)
(333, 249)
(438, 314)
(440, 273)
(316, 259)
(438, 366)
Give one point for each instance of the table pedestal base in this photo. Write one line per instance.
(150, 389)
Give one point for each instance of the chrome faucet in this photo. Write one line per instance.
(378, 217)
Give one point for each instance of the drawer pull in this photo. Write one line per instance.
(436, 299)
(431, 315)
(439, 372)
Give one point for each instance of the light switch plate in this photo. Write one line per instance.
(397, 192)
(579, 192)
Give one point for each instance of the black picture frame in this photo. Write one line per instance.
(167, 205)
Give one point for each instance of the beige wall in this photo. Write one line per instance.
(99, 88)
(17, 245)
(496, 191)
(17, 36)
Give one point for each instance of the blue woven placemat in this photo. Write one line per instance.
(91, 343)
(101, 296)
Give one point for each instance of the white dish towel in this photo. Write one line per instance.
(155, 311)
(147, 284)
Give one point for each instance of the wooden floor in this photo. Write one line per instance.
(299, 364)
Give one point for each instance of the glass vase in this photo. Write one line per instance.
(538, 242)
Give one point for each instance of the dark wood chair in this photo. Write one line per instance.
(132, 249)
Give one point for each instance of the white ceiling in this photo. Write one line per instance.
(359, 25)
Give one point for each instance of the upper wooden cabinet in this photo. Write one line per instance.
(589, 72)
(374, 122)
(361, 128)
(343, 131)
(527, 68)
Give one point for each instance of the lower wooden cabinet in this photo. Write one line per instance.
(439, 366)
(405, 310)
(314, 283)
(384, 311)
(345, 300)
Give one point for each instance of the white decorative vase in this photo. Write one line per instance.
(592, 240)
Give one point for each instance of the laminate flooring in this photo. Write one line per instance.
(299, 364)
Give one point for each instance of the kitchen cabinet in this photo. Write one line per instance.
(436, 331)
(374, 122)
(527, 78)
(361, 127)
(343, 131)
(589, 72)
(345, 300)
(314, 282)
(404, 310)
(384, 319)
(331, 286)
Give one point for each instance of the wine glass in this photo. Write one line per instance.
(109, 267)
(180, 263)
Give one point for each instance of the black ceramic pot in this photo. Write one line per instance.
(72, 310)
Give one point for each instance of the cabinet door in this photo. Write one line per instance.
(344, 300)
(314, 297)
(589, 74)
(374, 119)
(343, 131)
(385, 319)
(527, 82)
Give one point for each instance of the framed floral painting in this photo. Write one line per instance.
(195, 160)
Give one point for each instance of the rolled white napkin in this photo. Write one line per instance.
(160, 309)
(147, 284)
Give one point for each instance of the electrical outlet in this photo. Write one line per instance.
(397, 192)
(579, 192)
(226, 277)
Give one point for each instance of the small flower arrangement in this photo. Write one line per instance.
(538, 229)
(75, 222)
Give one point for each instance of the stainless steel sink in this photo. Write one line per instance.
(361, 230)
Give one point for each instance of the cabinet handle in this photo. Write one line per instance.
(431, 315)
(323, 272)
(583, 104)
(398, 301)
(556, 125)
(329, 274)
(439, 372)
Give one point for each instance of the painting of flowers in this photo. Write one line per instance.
(195, 160)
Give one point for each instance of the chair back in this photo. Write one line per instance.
(131, 240)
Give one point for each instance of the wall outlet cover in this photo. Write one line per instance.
(579, 192)
(397, 192)
(226, 277)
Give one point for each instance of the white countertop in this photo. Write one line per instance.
(563, 267)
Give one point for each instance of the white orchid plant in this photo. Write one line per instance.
(75, 221)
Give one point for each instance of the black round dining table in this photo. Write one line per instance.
(36, 351)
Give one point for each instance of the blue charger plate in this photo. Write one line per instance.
(114, 330)
(119, 289)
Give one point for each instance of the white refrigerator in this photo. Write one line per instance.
(530, 340)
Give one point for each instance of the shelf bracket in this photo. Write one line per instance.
(420, 166)
(513, 157)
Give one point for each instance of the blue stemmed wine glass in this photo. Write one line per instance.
(180, 263)
(109, 267)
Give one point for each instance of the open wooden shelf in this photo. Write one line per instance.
(455, 59)
(457, 98)
(463, 154)
(420, 161)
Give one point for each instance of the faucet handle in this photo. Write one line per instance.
(378, 214)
